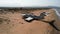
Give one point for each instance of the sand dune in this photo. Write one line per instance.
(11, 22)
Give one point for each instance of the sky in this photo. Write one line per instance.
(28, 3)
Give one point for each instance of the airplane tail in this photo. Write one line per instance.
(52, 24)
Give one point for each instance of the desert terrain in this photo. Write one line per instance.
(11, 22)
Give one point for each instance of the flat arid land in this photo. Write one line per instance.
(11, 22)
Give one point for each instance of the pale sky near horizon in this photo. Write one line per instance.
(22, 3)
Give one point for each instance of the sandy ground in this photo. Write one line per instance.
(12, 23)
